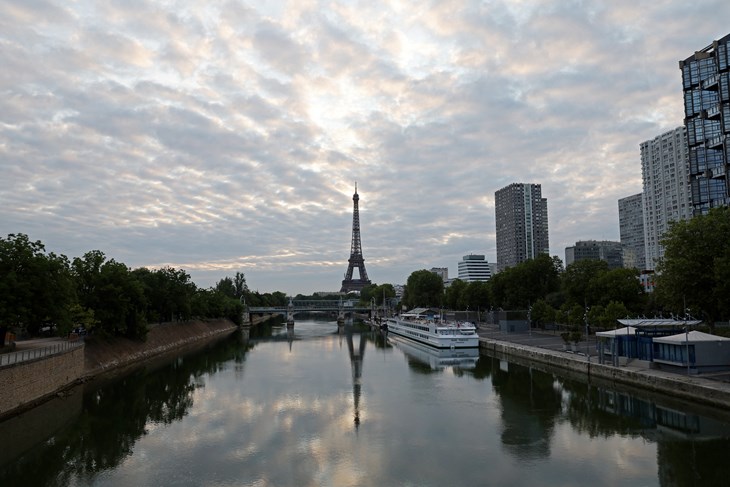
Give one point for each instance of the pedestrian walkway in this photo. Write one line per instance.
(539, 338)
(26, 350)
(551, 340)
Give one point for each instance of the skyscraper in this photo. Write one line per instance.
(631, 231)
(522, 224)
(473, 268)
(706, 85)
(665, 175)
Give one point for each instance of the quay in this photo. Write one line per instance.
(546, 349)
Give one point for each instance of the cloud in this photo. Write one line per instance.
(221, 137)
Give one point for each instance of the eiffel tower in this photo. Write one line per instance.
(355, 260)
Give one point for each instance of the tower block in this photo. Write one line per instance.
(356, 260)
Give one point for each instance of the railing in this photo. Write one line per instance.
(36, 353)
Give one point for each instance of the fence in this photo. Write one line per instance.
(36, 353)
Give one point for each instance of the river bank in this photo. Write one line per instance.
(27, 384)
(692, 388)
(102, 355)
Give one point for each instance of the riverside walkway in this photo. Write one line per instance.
(546, 347)
(26, 350)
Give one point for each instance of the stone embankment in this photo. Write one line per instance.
(693, 388)
(105, 355)
(26, 384)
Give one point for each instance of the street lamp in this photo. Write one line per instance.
(585, 318)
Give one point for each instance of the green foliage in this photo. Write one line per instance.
(475, 296)
(115, 294)
(519, 286)
(695, 270)
(106, 296)
(542, 313)
(453, 294)
(35, 287)
(577, 279)
(377, 293)
(424, 288)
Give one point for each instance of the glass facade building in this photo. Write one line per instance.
(631, 231)
(605, 250)
(706, 86)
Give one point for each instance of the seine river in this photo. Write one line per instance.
(328, 407)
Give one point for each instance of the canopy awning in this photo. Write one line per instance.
(629, 330)
(658, 323)
(693, 337)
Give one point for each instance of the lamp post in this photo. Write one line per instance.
(686, 334)
(585, 319)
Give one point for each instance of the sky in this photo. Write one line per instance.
(228, 136)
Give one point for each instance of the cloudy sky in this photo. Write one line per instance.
(226, 136)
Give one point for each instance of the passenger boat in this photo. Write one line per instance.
(436, 333)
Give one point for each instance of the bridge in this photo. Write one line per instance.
(306, 306)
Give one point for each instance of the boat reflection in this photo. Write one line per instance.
(435, 358)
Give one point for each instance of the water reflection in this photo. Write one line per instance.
(300, 407)
(535, 402)
(357, 357)
(434, 359)
(114, 414)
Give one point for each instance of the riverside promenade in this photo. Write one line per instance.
(547, 348)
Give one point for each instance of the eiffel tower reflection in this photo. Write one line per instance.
(356, 364)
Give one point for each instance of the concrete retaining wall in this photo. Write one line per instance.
(27, 383)
(692, 388)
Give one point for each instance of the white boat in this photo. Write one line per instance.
(434, 332)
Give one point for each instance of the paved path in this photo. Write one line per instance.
(535, 338)
(38, 347)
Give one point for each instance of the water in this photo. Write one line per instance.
(322, 408)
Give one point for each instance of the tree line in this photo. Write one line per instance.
(692, 278)
(45, 291)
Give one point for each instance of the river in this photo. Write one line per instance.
(324, 406)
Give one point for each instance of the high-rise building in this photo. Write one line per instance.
(665, 174)
(631, 231)
(597, 250)
(706, 85)
(474, 267)
(442, 272)
(522, 224)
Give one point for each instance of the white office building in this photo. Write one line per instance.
(474, 267)
(667, 196)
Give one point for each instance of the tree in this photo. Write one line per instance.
(226, 287)
(577, 278)
(424, 288)
(475, 296)
(377, 293)
(113, 292)
(239, 282)
(621, 285)
(453, 293)
(542, 313)
(519, 286)
(35, 287)
(695, 269)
